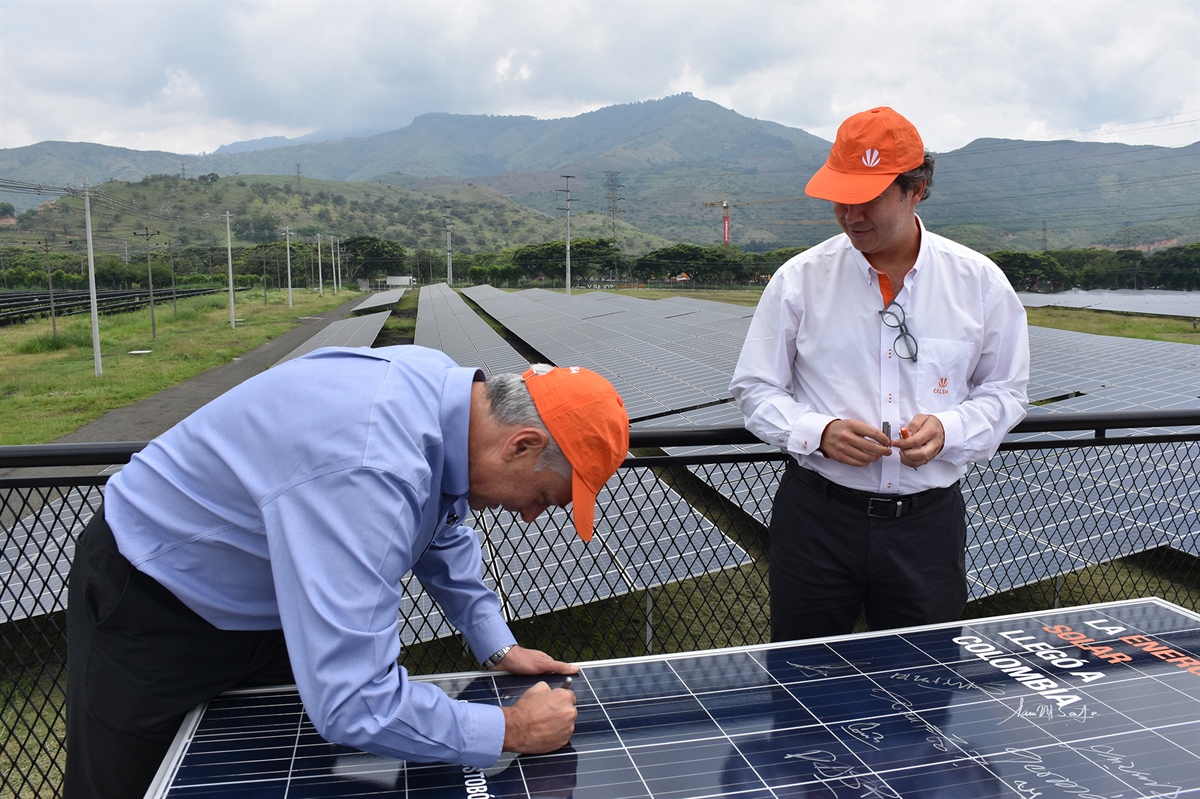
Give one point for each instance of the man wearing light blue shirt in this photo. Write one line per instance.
(264, 538)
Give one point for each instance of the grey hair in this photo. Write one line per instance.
(511, 404)
(907, 181)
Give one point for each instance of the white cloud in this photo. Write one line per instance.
(187, 76)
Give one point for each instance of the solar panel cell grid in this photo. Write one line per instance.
(987, 708)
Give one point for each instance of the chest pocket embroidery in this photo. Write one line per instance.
(942, 371)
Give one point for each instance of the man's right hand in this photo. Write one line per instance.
(542, 720)
(853, 442)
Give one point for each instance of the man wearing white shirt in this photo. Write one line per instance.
(885, 361)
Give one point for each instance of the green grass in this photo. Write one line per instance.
(48, 383)
(33, 727)
(1109, 323)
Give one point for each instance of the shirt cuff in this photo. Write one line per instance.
(486, 743)
(805, 438)
(952, 429)
(490, 636)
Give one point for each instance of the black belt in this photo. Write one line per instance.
(885, 506)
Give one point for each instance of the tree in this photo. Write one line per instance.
(372, 257)
(548, 259)
(702, 264)
(7, 210)
(1030, 271)
(1175, 268)
(592, 258)
(492, 269)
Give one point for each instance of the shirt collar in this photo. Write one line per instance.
(455, 421)
(868, 271)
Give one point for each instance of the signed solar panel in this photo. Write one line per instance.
(1096, 701)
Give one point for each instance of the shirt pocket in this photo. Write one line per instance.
(942, 369)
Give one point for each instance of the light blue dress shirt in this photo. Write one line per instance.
(297, 501)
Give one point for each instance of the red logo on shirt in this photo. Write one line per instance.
(942, 383)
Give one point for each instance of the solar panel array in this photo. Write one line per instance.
(647, 535)
(1038, 519)
(358, 331)
(663, 357)
(1003, 707)
(1087, 373)
(681, 350)
(37, 554)
(380, 299)
(445, 322)
(651, 349)
(1141, 301)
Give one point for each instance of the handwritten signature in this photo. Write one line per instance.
(1046, 711)
(834, 775)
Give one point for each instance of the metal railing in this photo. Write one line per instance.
(1074, 509)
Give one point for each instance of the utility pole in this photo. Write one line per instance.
(46, 246)
(611, 188)
(288, 238)
(449, 249)
(150, 277)
(568, 210)
(320, 272)
(333, 264)
(171, 261)
(91, 256)
(229, 252)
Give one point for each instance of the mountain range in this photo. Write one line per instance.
(673, 167)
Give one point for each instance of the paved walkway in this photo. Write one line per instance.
(149, 417)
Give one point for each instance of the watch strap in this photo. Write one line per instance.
(496, 657)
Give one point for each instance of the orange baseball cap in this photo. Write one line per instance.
(588, 420)
(870, 150)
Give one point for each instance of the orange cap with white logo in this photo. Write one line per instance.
(870, 150)
(587, 419)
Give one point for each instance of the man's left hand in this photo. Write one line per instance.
(520, 660)
(926, 436)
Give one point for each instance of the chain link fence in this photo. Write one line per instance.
(1069, 520)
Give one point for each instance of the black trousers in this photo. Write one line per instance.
(138, 660)
(830, 559)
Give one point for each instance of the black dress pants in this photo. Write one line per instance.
(830, 559)
(138, 660)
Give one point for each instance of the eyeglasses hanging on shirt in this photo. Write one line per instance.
(905, 344)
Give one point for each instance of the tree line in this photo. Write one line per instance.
(593, 262)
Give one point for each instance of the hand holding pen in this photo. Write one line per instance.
(920, 440)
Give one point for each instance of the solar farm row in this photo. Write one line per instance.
(679, 354)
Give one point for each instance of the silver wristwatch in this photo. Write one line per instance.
(496, 657)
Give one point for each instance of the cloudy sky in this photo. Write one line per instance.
(188, 76)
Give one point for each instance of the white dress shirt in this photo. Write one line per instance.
(817, 350)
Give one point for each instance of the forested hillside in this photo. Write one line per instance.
(671, 168)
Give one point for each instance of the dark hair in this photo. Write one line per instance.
(907, 181)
